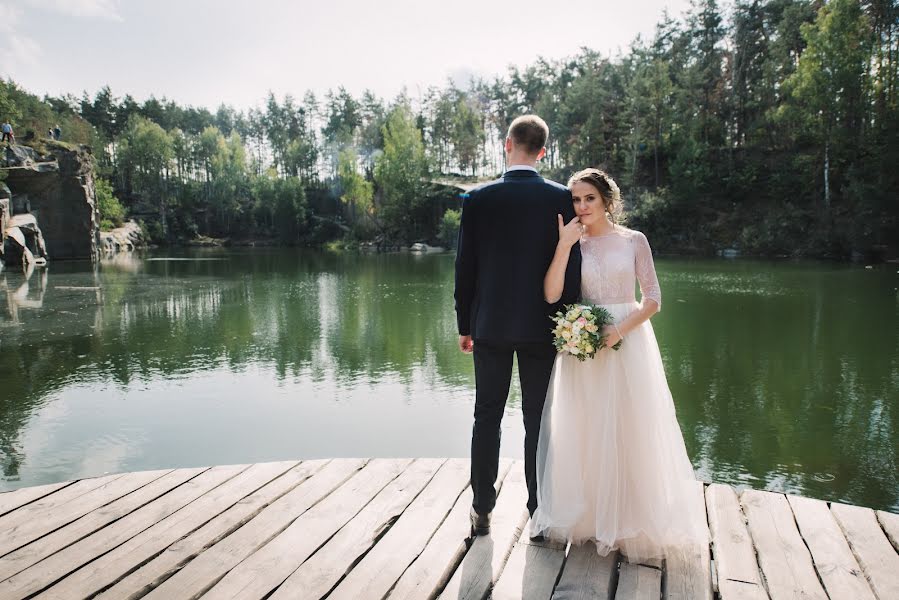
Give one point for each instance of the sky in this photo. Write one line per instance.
(205, 52)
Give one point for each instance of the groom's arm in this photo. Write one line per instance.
(571, 292)
(466, 269)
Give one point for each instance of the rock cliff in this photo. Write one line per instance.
(56, 185)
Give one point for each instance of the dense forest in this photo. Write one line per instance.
(770, 127)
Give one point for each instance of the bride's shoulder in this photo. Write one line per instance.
(632, 234)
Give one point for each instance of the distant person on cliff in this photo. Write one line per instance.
(50, 133)
(507, 239)
(8, 135)
(57, 132)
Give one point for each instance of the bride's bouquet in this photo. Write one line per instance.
(578, 330)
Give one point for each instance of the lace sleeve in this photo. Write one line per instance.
(646, 271)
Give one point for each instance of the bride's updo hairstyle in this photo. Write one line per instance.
(607, 188)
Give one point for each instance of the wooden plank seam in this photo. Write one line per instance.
(376, 538)
(762, 579)
(561, 567)
(468, 542)
(713, 574)
(807, 548)
(755, 553)
(35, 499)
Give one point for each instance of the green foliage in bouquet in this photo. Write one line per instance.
(578, 330)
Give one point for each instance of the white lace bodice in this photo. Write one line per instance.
(613, 263)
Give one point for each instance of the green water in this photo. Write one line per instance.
(785, 375)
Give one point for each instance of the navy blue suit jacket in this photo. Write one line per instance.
(507, 239)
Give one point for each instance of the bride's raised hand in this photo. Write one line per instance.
(571, 233)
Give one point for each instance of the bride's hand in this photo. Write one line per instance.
(611, 335)
(571, 233)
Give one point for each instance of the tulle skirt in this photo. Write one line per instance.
(612, 467)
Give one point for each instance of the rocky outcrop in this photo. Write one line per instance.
(23, 242)
(29, 158)
(57, 185)
(122, 239)
(4, 218)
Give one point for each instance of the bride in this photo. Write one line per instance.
(611, 462)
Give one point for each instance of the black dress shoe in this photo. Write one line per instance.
(480, 524)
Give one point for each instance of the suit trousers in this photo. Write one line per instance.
(493, 376)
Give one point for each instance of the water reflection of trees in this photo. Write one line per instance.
(784, 376)
(351, 318)
(35, 357)
(780, 380)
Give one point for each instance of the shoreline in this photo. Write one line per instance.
(370, 248)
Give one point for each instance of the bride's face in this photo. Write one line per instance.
(588, 204)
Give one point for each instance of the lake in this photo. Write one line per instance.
(785, 375)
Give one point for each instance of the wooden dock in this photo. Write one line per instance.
(398, 528)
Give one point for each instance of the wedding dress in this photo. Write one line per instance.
(611, 462)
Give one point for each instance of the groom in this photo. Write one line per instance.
(507, 240)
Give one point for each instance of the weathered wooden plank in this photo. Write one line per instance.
(428, 575)
(783, 556)
(839, 571)
(871, 548)
(382, 566)
(587, 575)
(636, 582)
(531, 571)
(268, 567)
(315, 577)
(689, 571)
(485, 559)
(54, 568)
(890, 523)
(209, 567)
(731, 589)
(150, 575)
(26, 556)
(40, 523)
(731, 543)
(9, 501)
(23, 515)
(654, 562)
(114, 565)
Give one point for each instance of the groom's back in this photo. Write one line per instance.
(510, 230)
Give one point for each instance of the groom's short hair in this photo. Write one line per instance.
(529, 132)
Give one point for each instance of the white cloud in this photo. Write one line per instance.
(97, 9)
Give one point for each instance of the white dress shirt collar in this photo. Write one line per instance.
(520, 168)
